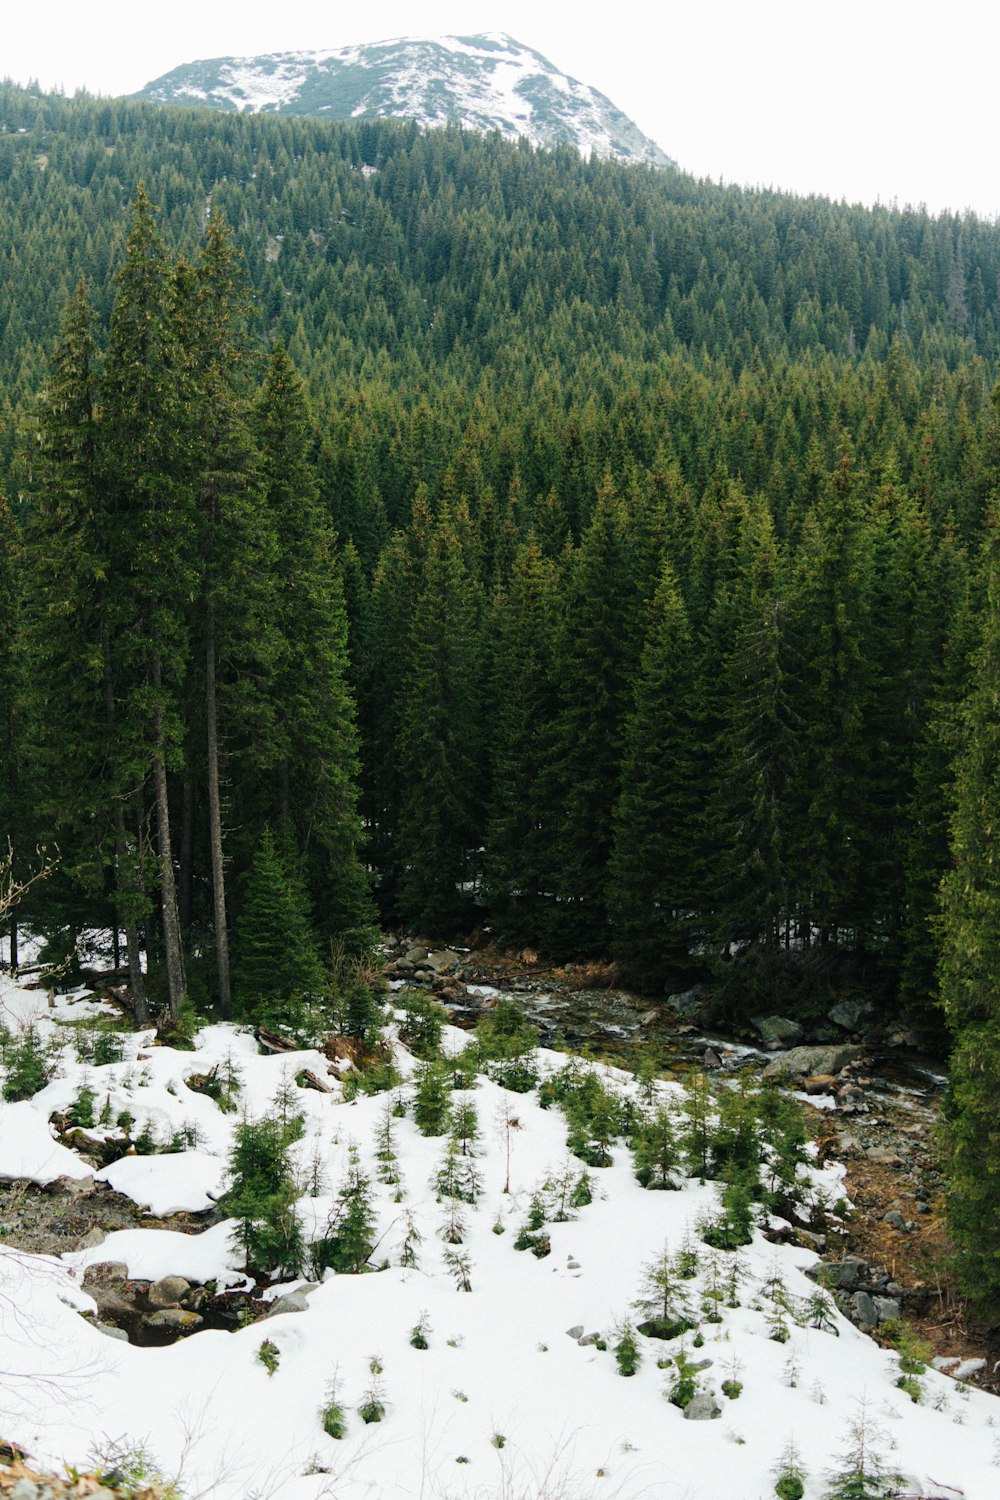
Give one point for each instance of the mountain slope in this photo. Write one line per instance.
(488, 82)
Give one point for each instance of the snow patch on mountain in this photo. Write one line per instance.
(485, 83)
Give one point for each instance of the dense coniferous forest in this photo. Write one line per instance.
(413, 526)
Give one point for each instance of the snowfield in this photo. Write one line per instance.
(504, 1402)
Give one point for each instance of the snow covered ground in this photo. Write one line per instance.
(504, 1402)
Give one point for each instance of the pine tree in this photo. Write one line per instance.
(234, 546)
(277, 960)
(654, 891)
(305, 750)
(522, 701)
(261, 1198)
(143, 433)
(84, 774)
(439, 745)
(584, 752)
(969, 930)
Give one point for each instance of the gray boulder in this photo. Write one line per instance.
(887, 1308)
(864, 1309)
(291, 1302)
(850, 1014)
(777, 1029)
(800, 1062)
(702, 1408)
(168, 1291)
(846, 1275)
(110, 1332)
(576, 1332)
(176, 1318)
(692, 1004)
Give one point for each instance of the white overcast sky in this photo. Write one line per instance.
(889, 99)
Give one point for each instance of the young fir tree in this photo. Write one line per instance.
(261, 1198)
(653, 893)
(277, 958)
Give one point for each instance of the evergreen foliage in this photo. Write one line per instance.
(278, 962)
(261, 1198)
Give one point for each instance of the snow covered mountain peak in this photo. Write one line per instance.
(485, 82)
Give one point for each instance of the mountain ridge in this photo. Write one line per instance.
(483, 82)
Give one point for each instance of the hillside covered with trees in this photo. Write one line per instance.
(418, 525)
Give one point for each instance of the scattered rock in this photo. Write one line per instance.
(819, 1083)
(291, 1302)
(576, 1332)
(804, 1062)
(110, 1332)
(777, 1029)
(849, 1014)
(446, 958)
(886, 1155)
(887, 1308)
(711, 1058)
(865, 1310)
(92, 1238)
(702, 1408)
(847, 1274)
(72, 1187)
(168, 1291)
(177, 1318)
(589, 1338)
(690, 1003)
(894, 1217)
(105, 1270)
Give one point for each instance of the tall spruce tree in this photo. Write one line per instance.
(586, 742)
(440, 740)
(306, 747)
(144, 434)
(75, 675)
(522, 699)
(655, 885)
(969, 930)
(756, 790)
(233, 550)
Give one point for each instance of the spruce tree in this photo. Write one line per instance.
(277, 960)
(304, 752)
(969, 931)
(143, 433)
(584, 750)
(84, 775)
(654, 887)
(440, 741)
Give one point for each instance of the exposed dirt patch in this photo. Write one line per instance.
(59, 1218)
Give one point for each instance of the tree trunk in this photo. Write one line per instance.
(186, 892)
(126, 886)
(13, 942)
(173, 952)
(215, 822)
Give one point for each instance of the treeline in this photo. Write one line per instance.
(431, 262)
(699, 724)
